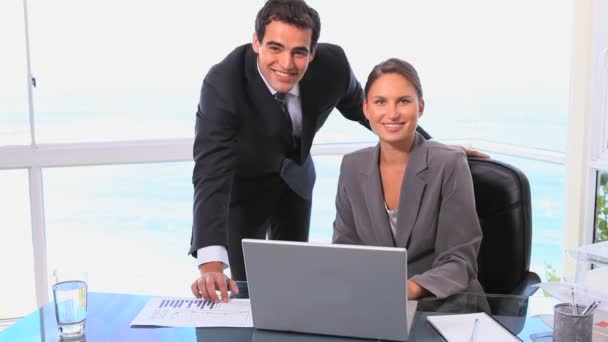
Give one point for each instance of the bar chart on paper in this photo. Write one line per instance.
(191, 312)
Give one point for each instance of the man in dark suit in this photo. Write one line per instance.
(258, 113)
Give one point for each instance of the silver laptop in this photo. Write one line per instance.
(344, 290)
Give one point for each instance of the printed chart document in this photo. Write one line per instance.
(459, 328)
(193, 312)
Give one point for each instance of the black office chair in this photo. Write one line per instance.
(502, 198)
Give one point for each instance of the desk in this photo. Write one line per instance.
(110, 314)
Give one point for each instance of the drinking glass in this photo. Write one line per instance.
(70, 296)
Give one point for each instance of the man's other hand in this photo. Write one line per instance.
(472, 153)
(211, 280)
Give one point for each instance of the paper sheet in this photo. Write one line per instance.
(192, 312)
(459, 328)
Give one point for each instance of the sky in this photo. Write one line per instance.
(119, 70)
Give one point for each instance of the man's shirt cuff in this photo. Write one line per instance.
(212, 253)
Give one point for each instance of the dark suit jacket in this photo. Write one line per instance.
(436, 221)
(241, 145)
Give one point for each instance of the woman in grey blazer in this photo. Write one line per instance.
(410, 192)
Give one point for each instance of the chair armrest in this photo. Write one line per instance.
(525, 287)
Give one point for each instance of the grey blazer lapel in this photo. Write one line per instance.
(412, 190)
(375, 200)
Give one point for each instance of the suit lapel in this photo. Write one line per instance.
(263, 101)
(375, 200)
(412, 190)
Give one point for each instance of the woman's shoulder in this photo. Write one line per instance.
(363, 156)
(443, 154)
(359, 161)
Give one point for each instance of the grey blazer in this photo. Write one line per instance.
(436, 221)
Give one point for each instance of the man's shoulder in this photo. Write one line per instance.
(329, 54)
(328, 49)
(231, 67)
(330, 62)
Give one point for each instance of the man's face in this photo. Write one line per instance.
(284, 54)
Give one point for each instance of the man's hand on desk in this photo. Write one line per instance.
(212, 279)
(472, 153)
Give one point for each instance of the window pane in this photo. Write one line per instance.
(116, 70)
(128, 225)
(140, 77)
(324, 198)
(547, 184)
(520, 75)
(601, 208)
(445, 83)
(13, 80)
(489, 70)
(17, 288)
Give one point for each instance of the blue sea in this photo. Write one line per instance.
(132, 222)
(142, 213)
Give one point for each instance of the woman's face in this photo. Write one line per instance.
(392, 108)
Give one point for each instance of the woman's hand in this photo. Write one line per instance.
(415, 291)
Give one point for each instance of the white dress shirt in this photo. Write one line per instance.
(294, 106)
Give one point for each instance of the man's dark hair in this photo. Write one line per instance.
(293, 12)
(395, 66)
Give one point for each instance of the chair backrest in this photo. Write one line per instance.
(502, 198)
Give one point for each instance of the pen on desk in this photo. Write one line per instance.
(474, 333)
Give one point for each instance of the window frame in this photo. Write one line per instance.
(598, 115)
(36, 157)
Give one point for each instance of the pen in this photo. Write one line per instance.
(594, 307)
(573, 303)
(474, 333)
(590, 307)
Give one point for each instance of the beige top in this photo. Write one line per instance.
(392, 219)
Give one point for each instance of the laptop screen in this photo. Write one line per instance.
(328, 289)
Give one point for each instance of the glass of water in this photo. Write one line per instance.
(70, 296)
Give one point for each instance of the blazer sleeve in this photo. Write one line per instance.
(458, 233)
(350, 105)
(216, 133)
(344, 224)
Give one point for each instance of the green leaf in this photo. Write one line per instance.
(603, 178)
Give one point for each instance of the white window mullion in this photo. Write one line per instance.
(30, 76)
(598, 114)
(35, 183)
(38, 235)
(582, 135)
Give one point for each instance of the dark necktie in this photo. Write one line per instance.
(295, 141)
(282, 100)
